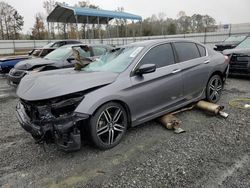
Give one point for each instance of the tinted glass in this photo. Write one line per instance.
(244, 44)
(202, 50)
(161, 56)
(186, 51)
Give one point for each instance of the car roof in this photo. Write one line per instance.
(158, 41)
(83, 44)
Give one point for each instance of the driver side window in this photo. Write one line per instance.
(161, 55)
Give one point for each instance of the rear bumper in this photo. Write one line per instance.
(62, 131)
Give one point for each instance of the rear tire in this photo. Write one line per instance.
(108, 125)
(214, 88)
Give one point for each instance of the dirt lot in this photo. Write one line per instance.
(214, 152)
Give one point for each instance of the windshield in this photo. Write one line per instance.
(115, 61)
(235, 39)
(59, 54)
(245, 43)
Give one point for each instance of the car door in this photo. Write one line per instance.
(194, 69)
(155, 92)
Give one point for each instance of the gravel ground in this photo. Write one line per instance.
(214, 152)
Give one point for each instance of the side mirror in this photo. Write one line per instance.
(145, 69)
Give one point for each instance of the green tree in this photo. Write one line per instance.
(11, 22)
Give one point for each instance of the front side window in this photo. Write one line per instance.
(186, 51)
(161, 56)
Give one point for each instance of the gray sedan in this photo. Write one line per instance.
(126, 87)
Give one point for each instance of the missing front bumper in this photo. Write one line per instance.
(64, 131)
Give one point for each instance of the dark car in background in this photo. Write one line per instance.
(43, 51)
(7, 63)
(62, 57)
(229, 43)
(239, 58)
(125, 87)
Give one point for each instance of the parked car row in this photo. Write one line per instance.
(7, 63)
(237, 48)
(60, 58)
(111, 94)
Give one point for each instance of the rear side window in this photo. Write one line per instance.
(186, 51)
(161, 56)
(202, 50)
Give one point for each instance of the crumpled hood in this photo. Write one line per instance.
(237, 51)
(28, 64)
(50, 84)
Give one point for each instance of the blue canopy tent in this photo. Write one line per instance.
(68, 14)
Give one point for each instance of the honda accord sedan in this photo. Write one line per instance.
(126, 87)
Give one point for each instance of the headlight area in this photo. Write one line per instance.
(53, 120)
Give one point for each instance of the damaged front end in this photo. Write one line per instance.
(53, 120)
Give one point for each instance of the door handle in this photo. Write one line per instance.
(176, 71)
(207, 61)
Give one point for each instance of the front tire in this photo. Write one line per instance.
(108, 125)
(214, 89)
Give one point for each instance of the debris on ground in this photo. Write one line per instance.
(172, 123)
(242, 103)
(212, 108)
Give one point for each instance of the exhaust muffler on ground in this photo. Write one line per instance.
(212, 108)
(173, 123)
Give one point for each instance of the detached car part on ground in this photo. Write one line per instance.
(239, 58)
(7, 63)
(126, 87)
(230, 43)
(60, 58)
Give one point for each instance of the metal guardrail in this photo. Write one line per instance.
(209, 38)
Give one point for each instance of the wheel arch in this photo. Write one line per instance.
(124, 105)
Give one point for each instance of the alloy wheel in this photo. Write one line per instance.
(214, 89)
(110, 125)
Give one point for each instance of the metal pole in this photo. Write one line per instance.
(141, 28)
(98, 22)
(126, 31)
(230, 29)
(133, 23)
(108, 31)
(88, 28)
(58, 31)
(48, 30)
(78, 36)
(117, 31)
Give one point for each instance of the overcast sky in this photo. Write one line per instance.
(224, 11)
